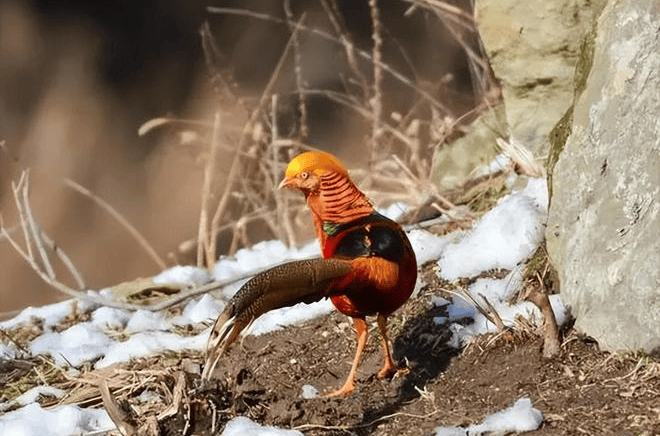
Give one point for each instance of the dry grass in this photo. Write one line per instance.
(399, 168)
(400, 158)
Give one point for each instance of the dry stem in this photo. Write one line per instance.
(205, 241)
(377, 96)
(363, 54)
(523, 158)
(117, 415)
(233, 171)
(300, 86)
(489, 312)
(141, 240)
(34, 235)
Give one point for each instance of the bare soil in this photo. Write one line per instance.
(583, 391)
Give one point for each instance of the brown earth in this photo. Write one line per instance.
(584, 391)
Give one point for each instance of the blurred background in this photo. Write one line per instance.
(79, 79)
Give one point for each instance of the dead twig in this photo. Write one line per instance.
(523, 158)
(494, 316)
(288, 232)
(177, 397)
(117, 415)
(300, 84)
(34, 235)
(141, 240)
(376, 101)
(205, 241)
(30, 228)
(233, 170)
(336, 18)
(320, 33)
(489, 312)
(551, 345)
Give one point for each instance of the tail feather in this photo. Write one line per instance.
(284, 285)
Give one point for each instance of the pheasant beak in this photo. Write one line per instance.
(287, 183)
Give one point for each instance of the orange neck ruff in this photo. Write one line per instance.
(337, 201)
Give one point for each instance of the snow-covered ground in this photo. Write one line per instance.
(503, 238)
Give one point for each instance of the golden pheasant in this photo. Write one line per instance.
(368, 265)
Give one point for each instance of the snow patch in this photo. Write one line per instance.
(63, 420)
(503, 237)
(32, 395)
(187, 275)
(518, 418)
(72, 347)
(242, 426)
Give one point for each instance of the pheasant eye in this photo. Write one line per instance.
(304, 175)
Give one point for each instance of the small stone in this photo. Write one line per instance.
(309, 392)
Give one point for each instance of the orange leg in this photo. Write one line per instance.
(362, 332)
(389, 367)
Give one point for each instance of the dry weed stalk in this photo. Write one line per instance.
(287, 233)
(205, 241)
(118, 416)
(462, 26)
(325, 35)
(376, 101)
(36, 239)
(300, 86)
(141, 240)
(489, 311)
(247, 131)
(522, 158)
(345, 39)
(179, 402)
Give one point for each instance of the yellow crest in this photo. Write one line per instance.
(314, 161)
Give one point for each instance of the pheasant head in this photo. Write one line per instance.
(330, 193)
(305, 171)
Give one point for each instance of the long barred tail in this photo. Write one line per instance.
(302, 281)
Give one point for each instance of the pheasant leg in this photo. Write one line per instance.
(389, 368)
(362, 332)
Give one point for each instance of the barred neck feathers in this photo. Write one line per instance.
(341, 201)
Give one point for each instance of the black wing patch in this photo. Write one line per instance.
(373, 236)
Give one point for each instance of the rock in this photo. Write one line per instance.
(603, 233)
(533, 48)
(456, 161)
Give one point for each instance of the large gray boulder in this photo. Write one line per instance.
(533, 46)
(603, 232)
